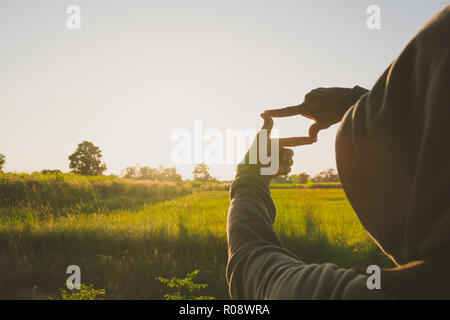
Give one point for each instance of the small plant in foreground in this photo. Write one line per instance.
(86, 292)
(184, 288)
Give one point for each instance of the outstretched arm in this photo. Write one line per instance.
(259, 267)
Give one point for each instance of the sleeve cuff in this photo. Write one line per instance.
(254, 173)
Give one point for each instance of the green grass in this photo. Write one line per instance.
(62, 190)
(123, 250)
(314, 185)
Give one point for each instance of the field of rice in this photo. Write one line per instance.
(123, 241)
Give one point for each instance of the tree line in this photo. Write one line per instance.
(329, 175)
(87, 161)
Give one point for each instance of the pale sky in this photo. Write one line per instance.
(138, 70)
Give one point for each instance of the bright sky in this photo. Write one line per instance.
(138, 70)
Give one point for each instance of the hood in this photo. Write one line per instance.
(393, 150)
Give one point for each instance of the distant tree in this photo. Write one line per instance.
(201, 173)
(329, 175)
(129, 172)
(281, 179)
(2, 161)
(167, 174)
(49, 171)
(301, 178)
(87, 160)
(147, 173)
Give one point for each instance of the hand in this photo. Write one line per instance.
(326, 106)
(284, 155)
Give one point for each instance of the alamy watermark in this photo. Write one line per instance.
(374, 280)
(74, 280)
(73, 21)
(215, 146)
(374, 20)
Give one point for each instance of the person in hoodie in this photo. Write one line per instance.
(393, 159)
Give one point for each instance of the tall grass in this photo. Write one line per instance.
(60, 190)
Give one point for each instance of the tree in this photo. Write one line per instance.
(280, 179)
(129, 172)
(87, 160)
(301, 178)
(51, 171)
(2, 161)
(147, 173)
(329, 175)
(167, 174)
(201, 173)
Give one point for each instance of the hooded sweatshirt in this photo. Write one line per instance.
(393, 160)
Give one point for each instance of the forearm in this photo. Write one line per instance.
(252, 212)
(250, 231)
(259, 267)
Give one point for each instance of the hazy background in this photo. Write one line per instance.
(138, 70)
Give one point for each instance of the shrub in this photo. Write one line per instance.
(183, 289)
(84, 293)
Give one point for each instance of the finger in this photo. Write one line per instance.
(286, 153)
(286, 157)
(268, 125)
(284, 112)
(314, 130)
(295, 141)
(284, 170)
(287, 163)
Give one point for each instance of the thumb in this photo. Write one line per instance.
(268, 125)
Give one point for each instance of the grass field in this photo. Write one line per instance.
(122, 243)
